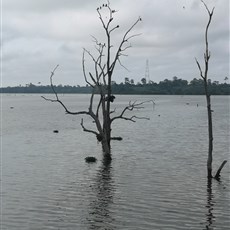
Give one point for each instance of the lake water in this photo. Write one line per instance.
(157, 178)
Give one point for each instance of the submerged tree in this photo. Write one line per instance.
(204, 76)
(100, 81)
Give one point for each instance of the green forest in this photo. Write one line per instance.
(176, 86)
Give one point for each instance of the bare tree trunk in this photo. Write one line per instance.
(106, 150)
(204, 76)
(210, 217)
(210, 134)
(210, 130)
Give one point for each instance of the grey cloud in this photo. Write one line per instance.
(37, 35)
(44, 6)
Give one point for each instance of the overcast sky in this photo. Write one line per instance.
(39, 34)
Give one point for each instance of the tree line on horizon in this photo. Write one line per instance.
(176, 86)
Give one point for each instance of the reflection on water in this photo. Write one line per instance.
(48, 185)
(99, 208)
(210, 218)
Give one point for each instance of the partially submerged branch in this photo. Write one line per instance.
(217, 176)
(116, 138)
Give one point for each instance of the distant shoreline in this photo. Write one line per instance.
(166, 87)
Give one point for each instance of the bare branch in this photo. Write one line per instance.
(131, 107)
(209, 12)
(123, 65)
(88, 130)
(125, 39)
(133, 117)
(110, 18)
(135, 35)
(127, 47)
(128, 31)
(98, 106)
(207, 53)
(91, 102)
(51, 81)
(66, 110)
(198, 64)
(97, 64)
(57, 98)
(93, 79)
(116, 27)
(113, 111)
(100, 17)
(83, 68)
(96, 41)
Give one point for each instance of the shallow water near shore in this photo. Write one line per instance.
(156, 180)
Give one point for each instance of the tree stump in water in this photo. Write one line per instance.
(90, 159)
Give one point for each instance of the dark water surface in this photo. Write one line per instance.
(157, 179)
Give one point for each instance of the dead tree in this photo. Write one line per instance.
(204, 76)
(100, 81)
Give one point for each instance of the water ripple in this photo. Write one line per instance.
(157, 179)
